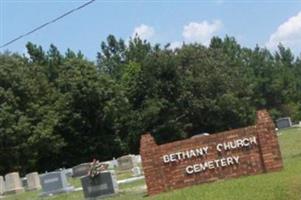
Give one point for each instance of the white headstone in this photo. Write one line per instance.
(2, 185)
(114, 163)
(126, 162)
(136, 171)
(69, 172)
(138, 158)
(13, 183)
(33, 181)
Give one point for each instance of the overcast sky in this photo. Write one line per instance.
(250, 22)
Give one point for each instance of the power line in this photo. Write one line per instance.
(47, 23)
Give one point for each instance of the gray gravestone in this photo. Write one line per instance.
(55, 182)
(136, 171)
(2, 185)
(114, 163)
(126, 162)
(13, 183)
(284, 122)
(102, 185)
(33, 181)
(109, 163)
(138, 159)
(80, 170)
(69, 172)
(24, 182)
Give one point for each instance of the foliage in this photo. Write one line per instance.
(58, 110)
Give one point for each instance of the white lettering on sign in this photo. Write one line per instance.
(97, 188)
(212, 164)
(203, 151)
(51, 180)
(185, 154)
(240, 143)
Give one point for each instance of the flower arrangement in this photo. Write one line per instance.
(96, 168)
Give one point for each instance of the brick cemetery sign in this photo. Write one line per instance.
(102, 185)
(2, 185)
(284, 122)
(55, 182)
(126, 162)
(80, 170)
(13, 183)
(33, 181)
(244, 151)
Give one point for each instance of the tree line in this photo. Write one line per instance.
(60, 109)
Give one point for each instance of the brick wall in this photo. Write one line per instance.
(262, 156)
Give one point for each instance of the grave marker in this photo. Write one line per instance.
(80, 170)
(33, 181)
(100, 186)
(284, 122)
(114, 163)
(138, 159)
(55, 182)
(126, 162)
(2, 185)
(24, 182)
(13, 183)
(69, 172)
(136, 171)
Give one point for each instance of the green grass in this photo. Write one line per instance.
(128, 186)
(75, 182)
(283, 185)
(124, 174)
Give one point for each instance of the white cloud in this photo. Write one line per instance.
(288, 33)
(202, 31)
(175, 44)
(144, 31)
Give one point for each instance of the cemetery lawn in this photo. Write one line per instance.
(283, 185)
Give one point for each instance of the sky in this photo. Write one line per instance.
(251, 22)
